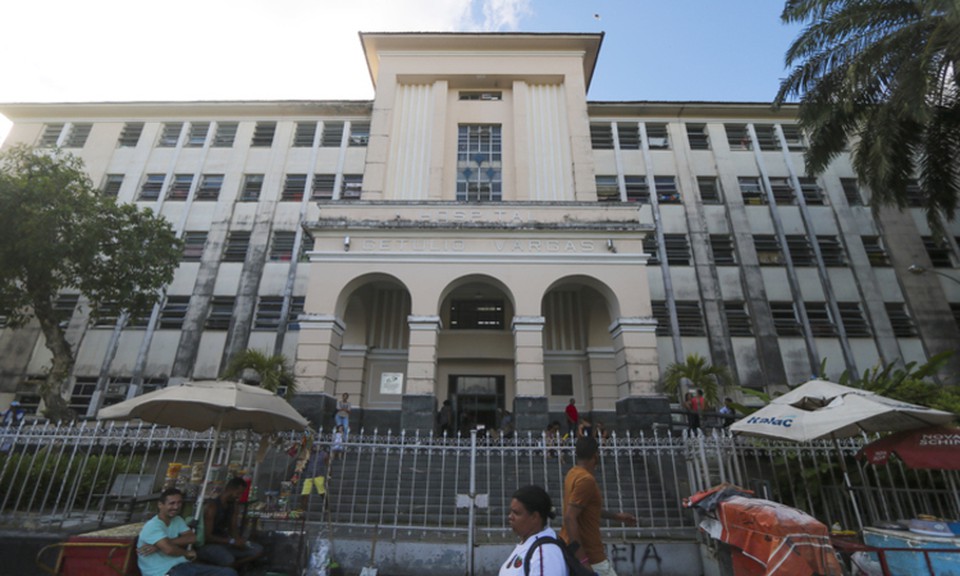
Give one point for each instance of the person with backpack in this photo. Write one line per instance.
(537, 554)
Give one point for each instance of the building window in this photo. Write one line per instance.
(359, 133)
(281, 248)
(812, 194)
(652, 249)
(83, 390)
(351, 186)
(697, 137)
(766, 137)
(481, 95)
(819, 317)
(914, 195)
(252, 187)
(601, 136)
(677, 248)
(210, 185)
(170, 134)
(607, 189)
(561, 385)
(130, 135)
(332, 134)
(294, 185)
(690, 318)
(751, 191)
(637, 189)
(304, 134)
(737, 136)
(657, 136)
(938, 251)
(107, 315)
(152, 186)
(174, 312)
(768, 249)
(479, 166)
(323, 186)
(193, 244)
(269, 309)
(875, 251)
(263, 134)
(112, 184)
(628, 133)
(709, 188)
(831, 251)
(236, 248)
(724, 253)
(476, 315)
(738, 320)
(785, 320)
(50, 136)
(198, 134)
(221, 311)
(900, 320)
(851, 190)
(225, 135)
(854, 323)
(78, 135)
(64, 306)
(662, 316)
(800, 251)
(667, 192)
(180, 187)
(794, 137)
(782, 191)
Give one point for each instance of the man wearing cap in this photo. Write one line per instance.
(13, 415)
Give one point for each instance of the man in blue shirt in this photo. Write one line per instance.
(162, 548)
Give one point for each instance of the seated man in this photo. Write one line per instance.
(163, 541)
(223, 544)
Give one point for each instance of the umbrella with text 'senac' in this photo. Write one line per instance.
(933, 448)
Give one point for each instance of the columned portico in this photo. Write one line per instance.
(637, 372)
(318, 364)
(419, 402)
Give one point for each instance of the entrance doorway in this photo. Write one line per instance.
(476, 400)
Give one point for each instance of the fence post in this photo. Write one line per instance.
(471, 515)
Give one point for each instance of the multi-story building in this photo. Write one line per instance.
(481, 232)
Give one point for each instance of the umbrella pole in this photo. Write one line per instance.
(206, 474)
(847, 483)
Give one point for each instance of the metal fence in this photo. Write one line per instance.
(82, 476)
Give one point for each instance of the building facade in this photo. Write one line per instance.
(480, 232)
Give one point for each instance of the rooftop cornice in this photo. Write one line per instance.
(205, 109)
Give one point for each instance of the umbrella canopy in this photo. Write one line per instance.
(202, 405)
(933, 448)
(821, 409)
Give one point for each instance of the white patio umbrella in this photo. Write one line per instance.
(821, 409)
(202, 405)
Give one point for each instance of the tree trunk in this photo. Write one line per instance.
(55, 406)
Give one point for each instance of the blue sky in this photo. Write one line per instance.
(118, 50)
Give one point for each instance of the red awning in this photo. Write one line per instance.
(935, 448)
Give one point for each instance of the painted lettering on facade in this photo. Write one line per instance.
(445, 216)
(460, 245)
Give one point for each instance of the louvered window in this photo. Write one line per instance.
(180, 187)
(112, 184)
(237, 244)
(304, 134)
(294, 186)
(78, 135)
(209, 188)
(738, 320)
(225, 135)
(263, 134)
(709, 187)
(152, 186)
(198, 134)
(601, 136)
(130, 135)
(252, 187)
(323, 186)
(220, 314)
(629, 135)
(332, 134)
(697, 137)
(657, 136)
(170, 134)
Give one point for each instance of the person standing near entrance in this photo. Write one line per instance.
(573, 417)
(342, 417)
(583, 509)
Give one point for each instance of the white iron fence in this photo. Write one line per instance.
(86, 475)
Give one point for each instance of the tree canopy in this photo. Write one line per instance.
(59, 234)
(881, 77)
(698, 373)
(272, 373)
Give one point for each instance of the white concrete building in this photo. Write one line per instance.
(481, 232)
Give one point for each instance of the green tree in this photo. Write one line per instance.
(698, 374)
(881, 75)
(272, 373)
(58, 233)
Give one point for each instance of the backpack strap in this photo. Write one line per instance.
(537, 543)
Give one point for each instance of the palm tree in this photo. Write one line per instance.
(883, 74)
(699, 374)
(257, 368)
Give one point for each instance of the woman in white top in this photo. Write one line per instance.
(529, 511)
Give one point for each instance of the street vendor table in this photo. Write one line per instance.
(102, 553)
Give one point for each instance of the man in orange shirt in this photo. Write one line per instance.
(583, 509)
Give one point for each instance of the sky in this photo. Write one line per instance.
(175, 50)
